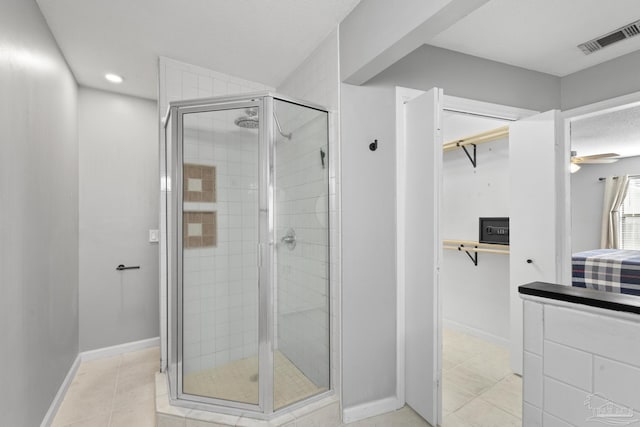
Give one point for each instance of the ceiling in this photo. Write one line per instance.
(613, 132)
(259, 40)
(265, 40)
(542, 35)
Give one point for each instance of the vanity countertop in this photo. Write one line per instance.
(589, 297)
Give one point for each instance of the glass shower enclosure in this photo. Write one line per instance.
(245, 253)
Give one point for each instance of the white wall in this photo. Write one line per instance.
(118, 204)
(38, 215)
(604, 81)
(474, 298)
(316, 79)
(473, 78)
(377, 32)
(586, 200)
(368, 245)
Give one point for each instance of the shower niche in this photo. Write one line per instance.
(245, 254)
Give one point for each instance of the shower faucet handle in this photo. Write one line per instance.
(289, 239)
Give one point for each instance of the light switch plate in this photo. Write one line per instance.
(154, 236)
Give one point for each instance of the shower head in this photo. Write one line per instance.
(249, 121)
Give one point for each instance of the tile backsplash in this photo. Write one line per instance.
(199, 229)
(199, 183)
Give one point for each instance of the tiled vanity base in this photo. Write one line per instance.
(168, 415)
(581, 358)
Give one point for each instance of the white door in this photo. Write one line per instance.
(533, 147)
(422, 253)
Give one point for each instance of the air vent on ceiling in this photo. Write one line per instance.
(625, 32)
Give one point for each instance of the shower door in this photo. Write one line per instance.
(301, 295)
(219, 229)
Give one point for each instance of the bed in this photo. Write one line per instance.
(611, 270)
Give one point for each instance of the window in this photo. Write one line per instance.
(630, 216)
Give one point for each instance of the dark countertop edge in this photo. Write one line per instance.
(591, 297)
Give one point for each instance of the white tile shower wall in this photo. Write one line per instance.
(317, 80)
(220, 288)
(180, 81)
(589, 364)
(303, 205)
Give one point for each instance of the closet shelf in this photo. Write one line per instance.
(474, 140)
(469, 246)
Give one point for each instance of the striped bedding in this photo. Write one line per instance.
(611, 270)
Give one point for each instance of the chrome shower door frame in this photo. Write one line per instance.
(264, 264)
(266, 255)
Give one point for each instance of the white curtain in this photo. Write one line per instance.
(614, 192)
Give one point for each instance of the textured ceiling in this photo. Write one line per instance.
(265, 40)
(258, 40)
(614, 132)
(542, 35)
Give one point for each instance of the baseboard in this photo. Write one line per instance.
(504, 342)
(101, 353)
(62, 391)
(370, 409)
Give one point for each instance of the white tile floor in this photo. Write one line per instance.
(478, 391)
(478, 388)
(118, 391)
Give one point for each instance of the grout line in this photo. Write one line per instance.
(499, 408)
(479, 396)
(115, 390)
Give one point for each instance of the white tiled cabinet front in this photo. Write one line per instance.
(581, 366)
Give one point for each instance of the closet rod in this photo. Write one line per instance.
(479, 138)
(470, 249)
(501, 129)
(615, 177)
(474, 243)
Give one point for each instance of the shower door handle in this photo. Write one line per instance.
(259, 255)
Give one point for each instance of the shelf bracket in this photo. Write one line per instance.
(473, 159)
(473, 258)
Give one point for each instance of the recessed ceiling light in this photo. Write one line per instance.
(113, 78)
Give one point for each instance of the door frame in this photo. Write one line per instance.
(450, 103)
(582, 112)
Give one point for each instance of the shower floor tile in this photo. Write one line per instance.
(238, 381)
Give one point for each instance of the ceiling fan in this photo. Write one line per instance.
(594, 158)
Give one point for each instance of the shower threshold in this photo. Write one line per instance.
(165, 411)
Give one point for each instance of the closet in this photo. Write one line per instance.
(457, 163)
(474, 279)
(474, 274)
(529, 168)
